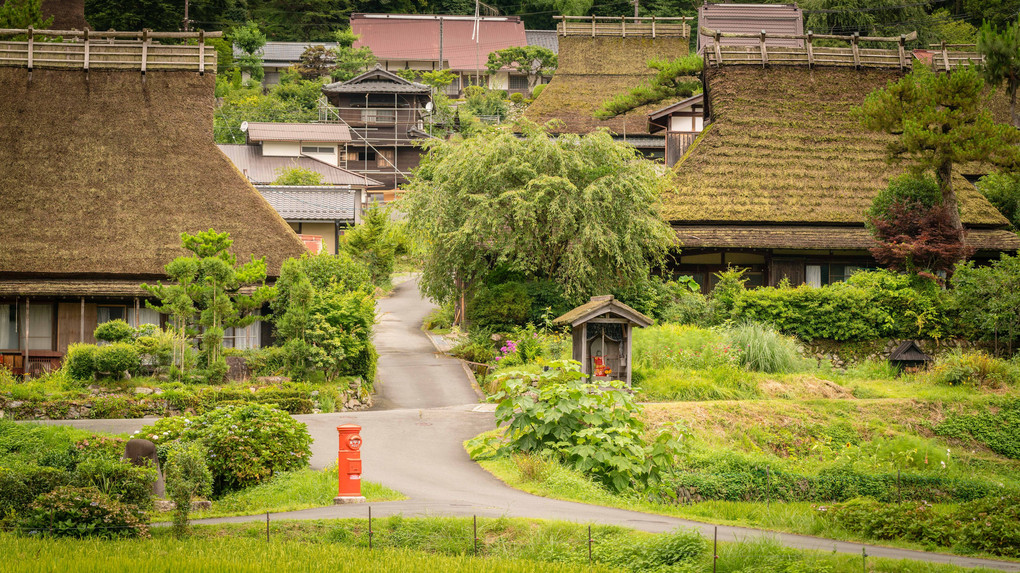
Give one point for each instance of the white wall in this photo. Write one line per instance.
(281, 148)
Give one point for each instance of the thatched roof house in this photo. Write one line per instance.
(781, 178)
(102, 173)
(595, 69)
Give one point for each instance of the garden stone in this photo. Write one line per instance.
(143, 390)
(272, 379)
(143, 452)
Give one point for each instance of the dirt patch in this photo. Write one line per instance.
(805, 387)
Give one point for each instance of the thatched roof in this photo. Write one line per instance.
(103, 172)
(785, 149)
(814, 237)
(592, 70)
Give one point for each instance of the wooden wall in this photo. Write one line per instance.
(69, 324)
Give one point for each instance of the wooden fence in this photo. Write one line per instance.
(943, 57)
(623, 26)
(85, 50)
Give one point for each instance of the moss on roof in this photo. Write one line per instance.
(101, 174)
(784, 148)
(592, 70)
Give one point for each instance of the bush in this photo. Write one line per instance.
(80, 361)
(439, 318)
(187, 476)
(475, 349)
(83, 512)
(659, 553)
(248, 444)
(868, 305)
(976, 369)
(501, 306)
(763, 349)
(20, 484)
(537, 91)
(116, 358)
(114, 331)
(120, 479)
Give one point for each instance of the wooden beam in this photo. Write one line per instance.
(108, 33)
(26, 336)
(81, 335)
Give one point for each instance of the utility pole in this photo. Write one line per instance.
(636, 7)
(186, 21)
(440, 42)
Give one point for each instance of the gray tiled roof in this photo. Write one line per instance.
(310, 203)
(262, 170)
(544, 38)
(286, 52)
(376, 80)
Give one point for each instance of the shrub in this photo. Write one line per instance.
(116, 358)
(475, 349)
(537, 91)
(974, 368)
(83, 512)
(20, 484)
(439, 318)
(80, 361)
(249, 443)
(501, 306)
(727, 290)
(663, 552)
(114, 331)
(763, 349)
(593, 428)
(120, 479)
(187, 476)
(266, 361)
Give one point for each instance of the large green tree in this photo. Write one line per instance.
(581, 211)
(939, 120)
(249, 39)
(20, 14)
(349, 61)
(1001, 50)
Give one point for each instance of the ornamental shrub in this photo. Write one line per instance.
(83, 512)
(594, 428)
(80, 361)
(20, 484)
(502, 306)
(116, 358)
(114, 331)
(187, 476)
(120, 479)
(974, 368)
(248, 444)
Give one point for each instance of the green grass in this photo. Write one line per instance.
(288, 491)
(416, 544)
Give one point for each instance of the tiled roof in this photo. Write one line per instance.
(285, 52)
(310, 203)
(416, 37)
(752, 19)
(377, 80)
(311, 132)
(262, 170)
(544, 39)
(814, 237)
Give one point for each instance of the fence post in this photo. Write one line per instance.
(476, 535)
(653, 25)
(856, 49)
(810, 49)
(764, 51)
(715, 548)
(85, 58)
(267, 527)
(903, 52)
(945, 55)
(718, 51)
(145, 48)
(864, 559)
(593, 26)
(370, 528)
(768, 494)
(623, 25)
(589, 545)
(899, 491)
(31, 48)
(201, 52)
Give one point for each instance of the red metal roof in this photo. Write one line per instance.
(416, 37)
(752, 19)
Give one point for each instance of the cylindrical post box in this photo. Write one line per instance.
(349, 464)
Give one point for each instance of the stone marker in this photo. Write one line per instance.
(143, 452)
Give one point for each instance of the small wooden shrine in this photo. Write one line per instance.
(601, 330)
(908, 355)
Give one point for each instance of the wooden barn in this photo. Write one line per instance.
(104, 169)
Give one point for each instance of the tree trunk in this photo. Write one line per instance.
(1012, 108)
(944, 175)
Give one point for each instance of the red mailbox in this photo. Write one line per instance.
(349, 464)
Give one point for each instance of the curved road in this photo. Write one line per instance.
(425, 408)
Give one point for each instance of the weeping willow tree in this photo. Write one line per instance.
(581, 211)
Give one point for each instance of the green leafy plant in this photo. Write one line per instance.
(80, 361)
(83, 512)
(120, 479)
(974, 368)
(590, 427)
(297, 176)
(675, 78)
(186, 477)
(763, 349)
(115, 359)
(997, 429)
(114, 331)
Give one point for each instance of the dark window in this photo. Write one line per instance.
(518, 82)
(313, 149)
(108, 313)
(366, 156)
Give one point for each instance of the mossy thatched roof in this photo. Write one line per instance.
(785, 148)
(593, 70)
(103, 172)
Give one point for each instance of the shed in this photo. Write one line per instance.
(601, 330)
(909, 355)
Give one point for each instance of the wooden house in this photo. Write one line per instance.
(319, 214)
(103, 171)
(385, 116)
(780, 179)
(600, 59)
(682, 122)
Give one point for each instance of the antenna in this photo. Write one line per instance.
(244, 126)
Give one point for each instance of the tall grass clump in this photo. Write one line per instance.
(763, 349)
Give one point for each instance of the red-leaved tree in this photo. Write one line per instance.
(917, 238)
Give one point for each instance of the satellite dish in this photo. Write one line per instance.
(244, 126)
(429, 107)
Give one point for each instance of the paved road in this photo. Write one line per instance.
(413, 443)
